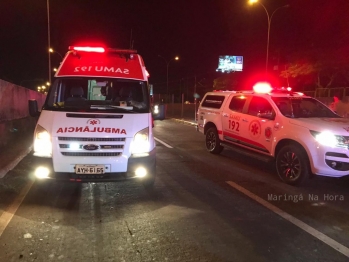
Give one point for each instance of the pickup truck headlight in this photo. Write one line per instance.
(42, 142)
(140, 143)
(327, 138)
(156, 109)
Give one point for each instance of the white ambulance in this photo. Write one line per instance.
(96, 123)
(297, 133)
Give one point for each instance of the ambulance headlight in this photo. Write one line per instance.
(327, 138)
(156, 109)
(42, 142)
(140, 143)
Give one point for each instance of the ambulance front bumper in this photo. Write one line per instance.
(146, 162)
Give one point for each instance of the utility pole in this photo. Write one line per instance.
(195, 99)
(48, 40)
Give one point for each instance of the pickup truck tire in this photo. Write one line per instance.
(212, 141)
(292, 165)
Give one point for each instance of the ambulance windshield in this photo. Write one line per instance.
(91, 94)
(302, 107)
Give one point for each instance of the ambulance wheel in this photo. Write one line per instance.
(292, 165)
(213, 143)
(148, 181)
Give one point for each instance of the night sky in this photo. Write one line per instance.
(198, 31)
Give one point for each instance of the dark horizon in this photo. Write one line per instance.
(197, 33)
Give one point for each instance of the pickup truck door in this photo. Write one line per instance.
(232, 119)
(257, 125)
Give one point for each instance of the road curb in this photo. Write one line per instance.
(14, 162)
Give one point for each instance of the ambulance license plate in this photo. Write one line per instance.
(89, 169)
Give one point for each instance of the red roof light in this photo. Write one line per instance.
(87, 49)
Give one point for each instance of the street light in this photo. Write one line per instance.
(53, 51)
(167, 64)
(251, 2)
(48, 39)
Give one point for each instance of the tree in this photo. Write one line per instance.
(226, 82)
(321, 68)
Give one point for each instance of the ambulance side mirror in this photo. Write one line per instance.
(33, 108)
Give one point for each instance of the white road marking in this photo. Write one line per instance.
(7, 215)
(312, 231)
(162, 142)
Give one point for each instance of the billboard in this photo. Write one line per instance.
(227, 63)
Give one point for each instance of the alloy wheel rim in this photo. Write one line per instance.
(290, 166)
(211, 141)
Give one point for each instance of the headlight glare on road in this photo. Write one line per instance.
(42, 142)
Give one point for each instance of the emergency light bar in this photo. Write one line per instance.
(262, 88)
(87, 49)
(266, 88)
(102, 50)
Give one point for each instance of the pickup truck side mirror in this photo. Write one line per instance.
(33, 108)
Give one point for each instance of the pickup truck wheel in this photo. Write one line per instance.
(292, 165)
(213, 143)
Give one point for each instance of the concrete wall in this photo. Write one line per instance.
(14, 113)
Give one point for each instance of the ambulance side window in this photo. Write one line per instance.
(260, 107)
(237, 103)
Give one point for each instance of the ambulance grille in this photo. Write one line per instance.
(90, 154)
(65, 146)
(92, 139)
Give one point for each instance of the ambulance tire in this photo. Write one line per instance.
(148, 182)
(212, 141)
(292, 165)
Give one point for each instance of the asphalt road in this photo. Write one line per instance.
(204, 208)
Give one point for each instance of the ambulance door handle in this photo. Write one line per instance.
(244, 120)
(225, 114)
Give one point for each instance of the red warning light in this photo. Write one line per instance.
(262, 87)
(87, 49)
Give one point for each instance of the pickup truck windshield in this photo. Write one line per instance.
(303, 107)
(98, 94)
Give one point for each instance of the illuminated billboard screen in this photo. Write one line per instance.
(227, 63)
